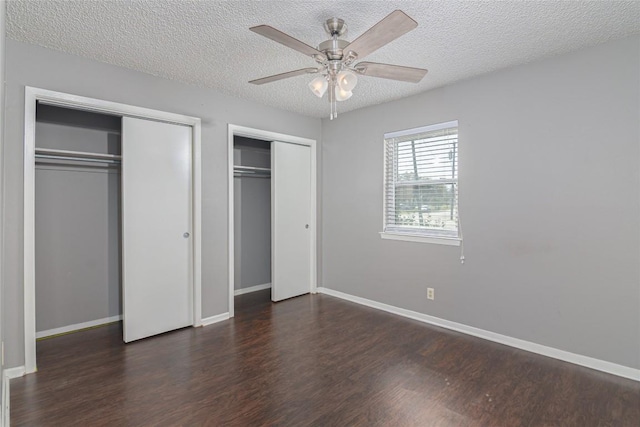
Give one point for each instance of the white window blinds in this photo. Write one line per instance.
(421, 181)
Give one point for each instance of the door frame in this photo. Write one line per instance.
(235, 130)
(60, 99)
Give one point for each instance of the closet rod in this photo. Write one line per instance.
(238, 168)
(76, 159)
(243, 172)
(267, 172)
(74, 155)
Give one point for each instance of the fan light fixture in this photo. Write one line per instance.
(319, 86)
(335, 57)
(342, 83)
(340, 87)
(342, 95)
(347, 80)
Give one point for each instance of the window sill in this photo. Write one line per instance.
(448, 241)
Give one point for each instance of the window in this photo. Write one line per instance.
(421, 184)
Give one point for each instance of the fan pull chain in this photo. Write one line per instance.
(332, 98)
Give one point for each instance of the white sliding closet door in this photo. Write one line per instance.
(156, 223)
(290, 220)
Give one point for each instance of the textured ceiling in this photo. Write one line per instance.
(208, 43)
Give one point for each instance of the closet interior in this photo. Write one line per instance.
(78, 279)
(252, 216)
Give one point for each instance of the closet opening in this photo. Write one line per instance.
(252, 222)
(78, 227)
(272, 216)
(112, 218)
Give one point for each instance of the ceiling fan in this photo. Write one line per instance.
(336, 57)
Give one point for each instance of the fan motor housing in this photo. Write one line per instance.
(333, 48)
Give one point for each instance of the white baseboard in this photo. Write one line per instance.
(578, 359)
(255, 288)
(77, 326)
(215, 319)
(16, 372)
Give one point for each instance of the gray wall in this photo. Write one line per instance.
(252, 218)
(549, 202)
(77, 232)
(35, 66)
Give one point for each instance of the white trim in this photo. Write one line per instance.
(83, 103)
(6, 400)
(235, 130)
(29, 230)
(214, 319)
(578, 359)
(32, 95)
(230, 223)
(78, 326)
(17, 372)
(449, 241)
(421, 129)
(7, 376)
(255, 288)
(197, 223)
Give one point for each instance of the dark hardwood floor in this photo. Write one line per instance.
(312, 360)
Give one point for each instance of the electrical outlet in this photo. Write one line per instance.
(431, 294)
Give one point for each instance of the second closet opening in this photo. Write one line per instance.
(252, 219)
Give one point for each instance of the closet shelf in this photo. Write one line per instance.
(83, 156)
(248, 175)
(251, 172)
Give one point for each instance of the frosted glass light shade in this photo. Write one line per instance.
(318, 86)
(347, 80)
(342, 95)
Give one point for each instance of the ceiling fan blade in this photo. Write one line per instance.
(287, 40)
(286, 75)
(390, 28)
(393, 72)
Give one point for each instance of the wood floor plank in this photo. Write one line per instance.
(311, 361)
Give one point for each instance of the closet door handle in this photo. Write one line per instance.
(306, 226)
(186, 235)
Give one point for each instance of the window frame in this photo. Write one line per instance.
(422, 236)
